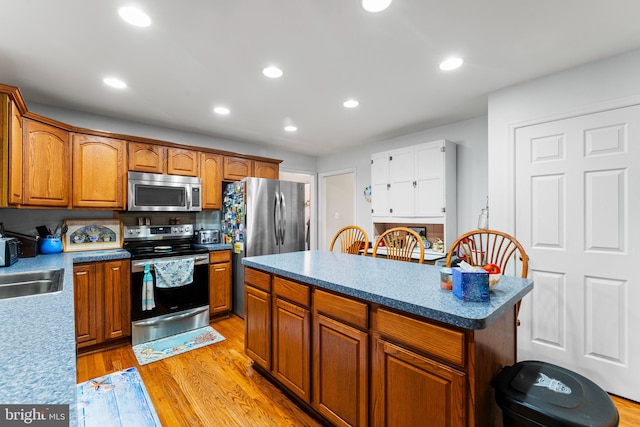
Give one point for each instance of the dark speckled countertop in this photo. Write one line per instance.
(37, 335)
(410, 287)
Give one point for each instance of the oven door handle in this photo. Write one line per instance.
(173, 318)
(138, 266)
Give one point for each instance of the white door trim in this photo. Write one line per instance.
(322, 192)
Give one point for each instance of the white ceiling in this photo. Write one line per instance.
(201, 53)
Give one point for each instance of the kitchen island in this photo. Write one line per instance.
(370, 341)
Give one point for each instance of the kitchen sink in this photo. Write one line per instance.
(26, 283)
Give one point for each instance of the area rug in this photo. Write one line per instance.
(176, 344)
(118, 399)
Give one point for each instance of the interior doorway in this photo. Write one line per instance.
(337, 203)
(310, 213)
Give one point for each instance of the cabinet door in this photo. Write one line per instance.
(99, 172)
(380, 185)
(401, 177)
(429, 166)
(182, 162)
(340, 372)
(15, 154)
(257, 325)
(211, 175)
(117, 299)
(146, 157)
(220, 282)
(87, 292)
(266, 170)
(291, 346)
(46, 167)
(236, 168)
(409, 389)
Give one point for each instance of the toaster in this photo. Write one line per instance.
(9, 251)
(205, 237)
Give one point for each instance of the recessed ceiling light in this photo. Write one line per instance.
(134, 16)
(114, 82)
(221, 110)
(290, 128)
(451, 63)
(272, 72)
(351, 103)
(375, 5)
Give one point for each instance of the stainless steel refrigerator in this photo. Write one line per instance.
(261, 217)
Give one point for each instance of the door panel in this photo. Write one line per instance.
(260, 199)
(577, 185)
(292, 194)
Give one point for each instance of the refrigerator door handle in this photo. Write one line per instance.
(283, 217)
(276, 217)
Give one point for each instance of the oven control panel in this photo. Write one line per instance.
(151, 232)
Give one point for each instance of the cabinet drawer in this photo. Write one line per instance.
(258, 279)
(219, 256)
(291, 291)
(443, 343)
(341, 308)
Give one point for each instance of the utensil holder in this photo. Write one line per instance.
(51, 245)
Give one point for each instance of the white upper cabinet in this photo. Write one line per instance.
(414, 184)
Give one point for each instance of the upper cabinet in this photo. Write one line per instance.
(46, 165)
(10, 152)
(211, 175)
(158, 159)
(415, 184)
(236, 168)
(266, 170)
(99, 172)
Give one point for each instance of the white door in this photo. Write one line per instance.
(429, 166)
(577, 215)
(380, 185)
(339, 204)
(402, 181)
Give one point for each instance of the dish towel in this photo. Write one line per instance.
(148, 300)
(174, 273)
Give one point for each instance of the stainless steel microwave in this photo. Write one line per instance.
(158, 192)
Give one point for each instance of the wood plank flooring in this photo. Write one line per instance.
(216, 386)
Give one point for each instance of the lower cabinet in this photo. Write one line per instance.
(102, 301)
(356, 363)
(219, 282)
(411, 389)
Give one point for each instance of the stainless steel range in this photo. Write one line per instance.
(168, 299)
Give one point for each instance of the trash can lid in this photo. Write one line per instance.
(553, 396)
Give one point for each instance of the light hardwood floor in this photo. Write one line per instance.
(216, 386)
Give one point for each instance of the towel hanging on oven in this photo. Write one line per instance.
(174, 273)
(148, 301)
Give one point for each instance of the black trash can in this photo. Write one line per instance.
(534, 394)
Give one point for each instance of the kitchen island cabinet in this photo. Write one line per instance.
(388, 346)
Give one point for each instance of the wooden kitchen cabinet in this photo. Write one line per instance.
(219, 283)
(340, 359)
(46, 157)
(99, 172)
(292, 337)
(154, 158)
(257, 319)
(236, 168)
(102, 302)
(211, 176)
(10, 152)
(266, 170)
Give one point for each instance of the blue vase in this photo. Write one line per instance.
(51, 245)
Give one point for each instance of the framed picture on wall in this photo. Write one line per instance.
(92, 234)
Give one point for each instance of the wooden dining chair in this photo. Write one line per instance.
(352, 240)
(400, 243)
(482, 247)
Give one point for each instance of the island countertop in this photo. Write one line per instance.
(410, 287)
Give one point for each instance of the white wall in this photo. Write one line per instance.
(471, 139)
(291, 161)
(613, 81)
